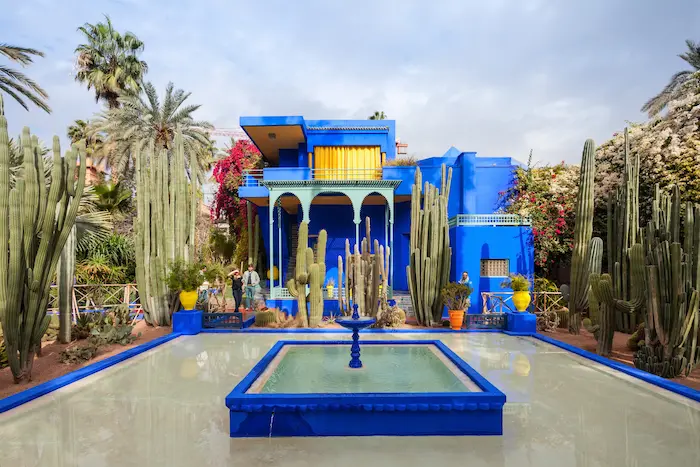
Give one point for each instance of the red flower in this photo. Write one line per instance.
(557, 231)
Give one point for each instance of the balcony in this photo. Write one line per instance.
(254, 178)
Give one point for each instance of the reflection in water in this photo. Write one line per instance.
(166, 408)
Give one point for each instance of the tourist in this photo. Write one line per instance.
(251, 281)
(237, 288)
(465, 279)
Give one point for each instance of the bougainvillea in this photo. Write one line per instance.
(228, 173)
(548, 196)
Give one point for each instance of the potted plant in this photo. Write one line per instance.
(455, 297)
(520, 285)
(185, 278)
(329, 287)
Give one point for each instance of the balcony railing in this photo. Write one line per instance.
(488, 219)
(255, 177)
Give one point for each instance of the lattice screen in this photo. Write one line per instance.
(494, 267)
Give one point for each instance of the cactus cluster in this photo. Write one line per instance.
(312, 271)
(162, 227)
(366, 276)
(36, 219)
(265, 318)
(586, 258)
(672, 293)
(430, 253)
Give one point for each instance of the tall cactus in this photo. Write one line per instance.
(430, 252)
(586, 257)
(65, 279)
(36, 218)
(366, 280)
(161, 226)
(305, 266)
(672, 320)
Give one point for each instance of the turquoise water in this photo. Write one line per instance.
(386, 368)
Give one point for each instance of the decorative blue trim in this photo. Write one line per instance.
(626, 369)
(246, 324)
(344, 331)
(42, 389)
(519, 334)
(365, 414)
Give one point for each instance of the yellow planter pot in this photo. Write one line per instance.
(521, 300)
(188, 299)
(330, 291)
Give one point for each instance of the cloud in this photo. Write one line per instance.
(496, 77)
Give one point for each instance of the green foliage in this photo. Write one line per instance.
(542, 284)
(184, 276)
(377, 115)
(109, 62)
(81, 132)
(112, 197)
(455, 296)
(97, 269)
(222, 246)
(3, 354)
(80, 353)
(215, 272)
(112, 261)
(517, 283)
(15, 83)
(633, 343)
(407, 161)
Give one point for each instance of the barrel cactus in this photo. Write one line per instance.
(36, 217)
(265, 318)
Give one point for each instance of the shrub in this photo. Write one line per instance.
(517, 283)
(184, 276)
(408, 161)
(3, 353)
(455, 296)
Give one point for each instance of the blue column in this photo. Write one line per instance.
(391, 254)
(279, 242)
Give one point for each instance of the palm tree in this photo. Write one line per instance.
(109, 62)
(378, 115)
(16, 84)
(674, 89)
(142, 121)
(81, 132)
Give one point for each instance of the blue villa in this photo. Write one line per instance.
(335, 173)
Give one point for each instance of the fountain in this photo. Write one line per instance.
(355, 323)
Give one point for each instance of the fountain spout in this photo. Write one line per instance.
(355, 323)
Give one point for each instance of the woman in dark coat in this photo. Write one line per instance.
(237, 288)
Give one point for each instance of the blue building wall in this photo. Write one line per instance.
(474, 243)
(475, 187)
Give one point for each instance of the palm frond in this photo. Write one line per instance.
(658, 103)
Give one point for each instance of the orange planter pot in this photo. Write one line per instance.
(456, 319)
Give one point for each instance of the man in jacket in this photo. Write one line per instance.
(251, 281)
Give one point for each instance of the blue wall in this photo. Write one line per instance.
(474, 243)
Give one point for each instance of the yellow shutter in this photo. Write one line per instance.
(347, 162)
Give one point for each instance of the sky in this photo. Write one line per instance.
(499, 77)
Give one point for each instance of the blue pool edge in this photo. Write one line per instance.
(658, 381)
(22, 397)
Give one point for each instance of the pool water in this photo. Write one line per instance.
(386, 369)
(165, 408)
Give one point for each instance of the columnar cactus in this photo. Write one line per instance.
(65, 279)
(672, 319)
(36, 218)
(161, 227)
(586, 257)
(430, 252)
(366, 280)
(305, 265)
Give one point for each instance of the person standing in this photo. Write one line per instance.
(237, 288)
(465, 279)
(251, 281)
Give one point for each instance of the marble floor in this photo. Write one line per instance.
(166, 408)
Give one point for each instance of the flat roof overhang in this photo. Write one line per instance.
(270, 134)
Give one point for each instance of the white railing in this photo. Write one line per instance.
(255, 177)
(489, 219)
(283, 293)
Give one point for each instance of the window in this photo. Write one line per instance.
(494, 268)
